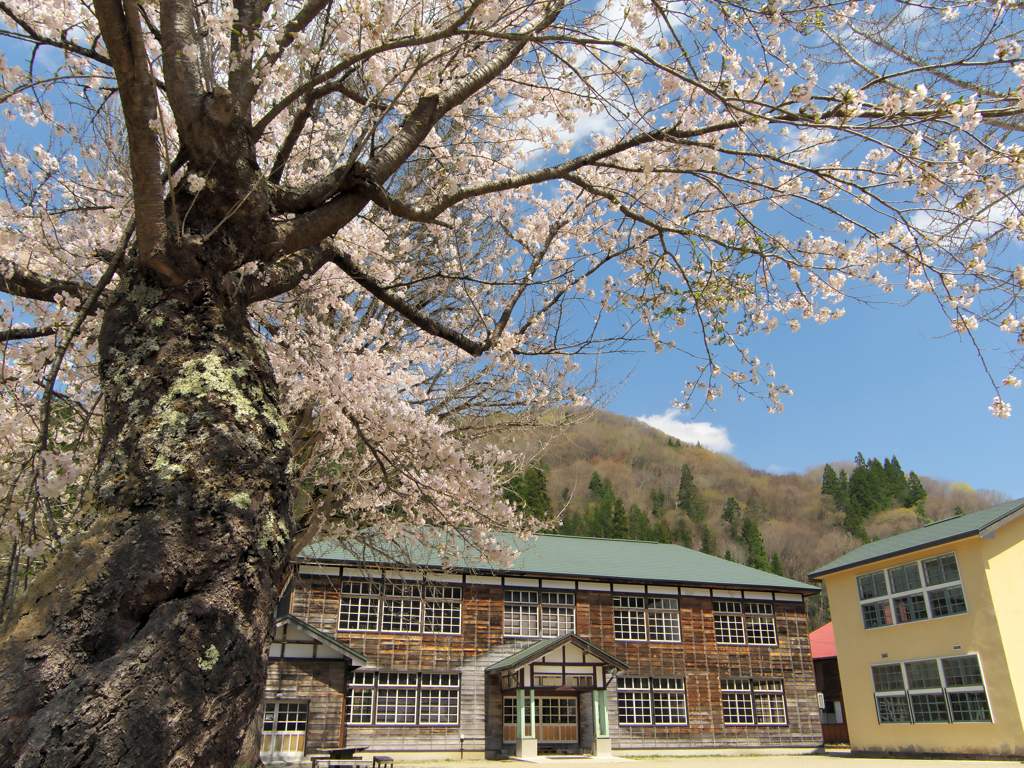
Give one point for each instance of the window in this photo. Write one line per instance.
(647, 618)
(926, 589)
(539, 614)
(738, 623)
(402, 698)
(651, 701)
(931, 691)
(359, 703)
(439, 699)
(753, 702)
(368, 606)
(630, 619)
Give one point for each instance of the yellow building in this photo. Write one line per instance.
(929, 630)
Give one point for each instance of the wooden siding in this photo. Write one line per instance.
(697, 658)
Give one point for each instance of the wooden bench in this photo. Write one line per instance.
(339, 758)
(383, 761)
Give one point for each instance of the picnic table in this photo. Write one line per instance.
(344, 757)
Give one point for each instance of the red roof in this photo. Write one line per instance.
(823, 643)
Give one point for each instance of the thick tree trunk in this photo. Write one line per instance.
(146, 644)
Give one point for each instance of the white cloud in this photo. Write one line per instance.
(704, 432)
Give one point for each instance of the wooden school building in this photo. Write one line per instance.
(583, 646)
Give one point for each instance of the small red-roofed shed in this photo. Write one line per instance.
(828, 685)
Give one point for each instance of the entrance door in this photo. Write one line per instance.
(557, 720)
(284, 729)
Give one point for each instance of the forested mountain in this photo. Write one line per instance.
(615, 477)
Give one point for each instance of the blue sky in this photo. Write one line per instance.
(876, 381)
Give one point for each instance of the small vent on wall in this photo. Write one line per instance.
(885, 655)
(958, 647)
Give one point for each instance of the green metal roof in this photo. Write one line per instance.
(295, 621)
(940, 532)
(599, 559)
(542, 647)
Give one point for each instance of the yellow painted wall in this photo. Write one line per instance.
(992, 572)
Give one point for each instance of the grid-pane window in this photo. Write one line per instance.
(634, 701)
(396, 698)
(760, 624)
(962, 671)
(969, 707)
(769, 702)
(737, 623)
(663, 619)
(539, 614)
(557, 613)
(651, 701)
(400, 607)
(400, 611)
(737, 704)
(442, 610)
(937, 691)
(929, 708)
(923, 674)
(941, 570)
(728, 622)
(888, 677)
(360, 606)
(872, 585)
(439, 699)
(947, 601)
(904, 593)
(359, 700)
(892, 709)
(521, 613)
(668, 701)
(910, 608)
(753, 702)
(876, 614)
(904, 578)
(630, 617)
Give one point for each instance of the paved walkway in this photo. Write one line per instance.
(833, 759)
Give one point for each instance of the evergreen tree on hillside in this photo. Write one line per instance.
(639, 526)
(897, 485)
(757, 557)
(731, 515)
(662, 534)
(620, 526)
(681, 533)
(776, 566)
(915, 491)
(529, 492)
(658, 502)
(689, 498)
(595, 484)
(708, 542)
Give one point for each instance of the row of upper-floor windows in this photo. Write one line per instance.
(412, 608)
(925, 589)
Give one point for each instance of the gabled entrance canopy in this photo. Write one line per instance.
(566, 663)
(295, 639)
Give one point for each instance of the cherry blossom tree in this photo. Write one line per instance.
(273, 268)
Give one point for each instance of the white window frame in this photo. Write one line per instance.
(897, 695)
(400, 607)
(439, 698)
(648, 618)
(754, 702)
(744, 623)
(538, 613)
(912, 592)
